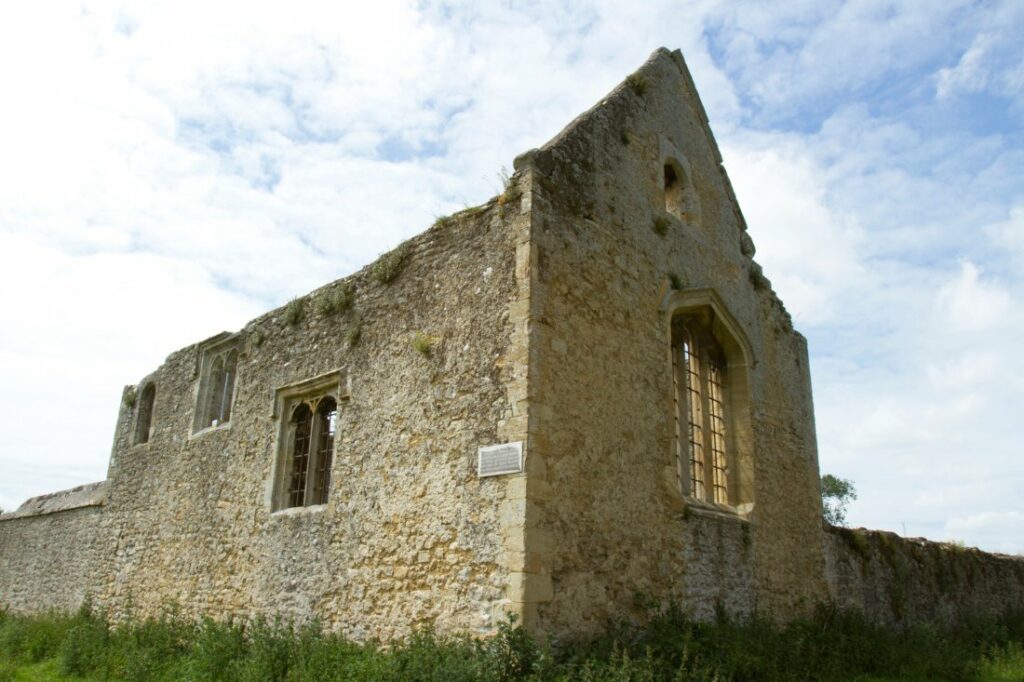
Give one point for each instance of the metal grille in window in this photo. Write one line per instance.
(302, 421)
(701, 409)
(327, 419)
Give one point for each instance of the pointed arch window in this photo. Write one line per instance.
(712, 444)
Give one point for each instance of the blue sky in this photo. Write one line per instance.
(171, 172)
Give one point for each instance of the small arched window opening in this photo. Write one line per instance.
(680, 196)
(144, 419)
(673, 191)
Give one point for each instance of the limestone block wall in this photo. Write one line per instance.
(409, 536)
(610, 520)
(897, 581)
(51, 550)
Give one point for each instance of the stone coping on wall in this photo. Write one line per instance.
(851, 535)
(88, 495)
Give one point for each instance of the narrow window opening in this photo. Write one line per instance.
(145, 415)
(327, 420)
(674, 200)
(302, 424)
(227, 389)
(214, 392)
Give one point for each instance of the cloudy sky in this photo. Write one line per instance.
(171, 170)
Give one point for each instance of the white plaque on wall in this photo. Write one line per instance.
(495, 460)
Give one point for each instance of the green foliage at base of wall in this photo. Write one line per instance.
(833, 645)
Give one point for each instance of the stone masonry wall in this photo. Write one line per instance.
(609, 521)
(410, 536)
(896, 581)
(51, 551)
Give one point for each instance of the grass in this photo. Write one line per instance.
(293, 312)
(386, 268)
(833, 645)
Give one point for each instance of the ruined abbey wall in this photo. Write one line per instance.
(544, 317)
(52, 550)
(615, 528)
(896, 581)
(410, 535)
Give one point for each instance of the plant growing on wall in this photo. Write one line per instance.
(387, 267)
(293, 312)
(836, 494)
(336, 300)
(424, 343)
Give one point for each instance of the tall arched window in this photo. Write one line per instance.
(712, 447)
(144, 417)
(701, 409)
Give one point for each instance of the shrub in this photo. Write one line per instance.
(87, 644)
(660, 226)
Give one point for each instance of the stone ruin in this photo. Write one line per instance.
(574, 401)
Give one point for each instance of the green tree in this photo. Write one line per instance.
(836, 493)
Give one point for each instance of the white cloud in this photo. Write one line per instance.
(970, 304)
(970, 74)
(808, 249)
